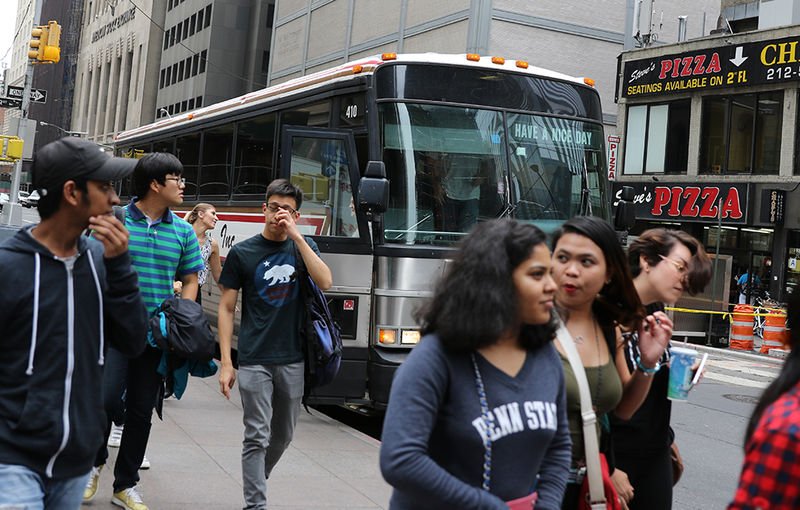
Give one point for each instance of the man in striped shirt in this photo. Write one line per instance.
(162, 247)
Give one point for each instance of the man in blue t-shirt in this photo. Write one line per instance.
(270, 352)
(744, 295)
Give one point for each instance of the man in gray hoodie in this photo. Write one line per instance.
(65, 298)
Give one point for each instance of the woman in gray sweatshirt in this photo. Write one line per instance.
(477, 413)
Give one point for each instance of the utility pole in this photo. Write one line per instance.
(12, 212)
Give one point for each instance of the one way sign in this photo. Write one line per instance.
(37, 95)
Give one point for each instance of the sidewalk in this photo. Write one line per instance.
(195, 454)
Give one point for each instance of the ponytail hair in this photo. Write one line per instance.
(790, 373)
(195, 212)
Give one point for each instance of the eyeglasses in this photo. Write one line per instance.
(180, 180)
(274, 207)
(682, 269)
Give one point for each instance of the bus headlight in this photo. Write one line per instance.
(409, 336)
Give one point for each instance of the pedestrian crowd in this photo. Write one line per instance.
(542, 379)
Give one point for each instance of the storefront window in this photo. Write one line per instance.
(741, 134)
(657, 138)
(792, 262)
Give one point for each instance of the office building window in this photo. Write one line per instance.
(265, 62)
(203, 61)
(195, 60)
(741, 133)
(166, 39)
(186, 28)
(168, 76)
(171, 109)
(180, 71)
(169, 5)
(200, 20)
(188, 74)
(191, 104)
(178, 32)
(657, 138)
(183, 105)
(174, 73)
(199, 101)
(208, 16)
(192, 23)
(161, 79)
(172, 36)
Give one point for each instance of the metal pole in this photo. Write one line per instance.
(714, 273)
(14, 214)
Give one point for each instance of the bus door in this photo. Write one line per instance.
(323, 163)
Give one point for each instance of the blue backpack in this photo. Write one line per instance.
(322, 342)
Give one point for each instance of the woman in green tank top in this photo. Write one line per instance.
(596, 297)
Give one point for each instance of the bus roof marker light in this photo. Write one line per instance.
(522, 64)
(389, 56)
(498, 60)
(191, 116)
(588, 81)
(357, 69)
(473, 57)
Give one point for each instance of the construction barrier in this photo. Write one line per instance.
(741, 337)
(774, 331)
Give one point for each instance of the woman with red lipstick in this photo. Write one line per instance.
(664, 264)
(477, 412)
(596, 297)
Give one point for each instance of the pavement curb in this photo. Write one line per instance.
(750, 356)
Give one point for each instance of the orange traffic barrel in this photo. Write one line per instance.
(774, 331)
(741, 337)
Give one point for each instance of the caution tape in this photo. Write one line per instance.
(725, 315)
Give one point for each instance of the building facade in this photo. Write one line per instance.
(709, 141)
(212, 50)
(573, 37)
(120, 53)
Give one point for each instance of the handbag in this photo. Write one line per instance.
(677, 463)
(523, 503)
(597, 491)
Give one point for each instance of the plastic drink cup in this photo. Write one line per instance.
(680, 373)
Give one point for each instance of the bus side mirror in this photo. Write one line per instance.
(625, 216)
(373, 189)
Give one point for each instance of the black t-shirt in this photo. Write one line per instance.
(648, 431)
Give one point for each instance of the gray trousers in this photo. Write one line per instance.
(271, 397)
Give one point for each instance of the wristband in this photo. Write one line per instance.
(645, 370)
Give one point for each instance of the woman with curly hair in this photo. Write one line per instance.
(596, 297)
(478, 408)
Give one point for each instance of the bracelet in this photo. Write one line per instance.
(645, 370)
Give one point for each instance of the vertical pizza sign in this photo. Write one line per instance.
(613, 145)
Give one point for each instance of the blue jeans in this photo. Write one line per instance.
(22, 489)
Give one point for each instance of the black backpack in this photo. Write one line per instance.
(322, 341)
(180, 327)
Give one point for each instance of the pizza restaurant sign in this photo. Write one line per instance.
(687, 202)
(734, 65)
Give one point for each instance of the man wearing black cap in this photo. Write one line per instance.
(67, 297)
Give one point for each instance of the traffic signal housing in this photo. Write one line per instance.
(45, 43)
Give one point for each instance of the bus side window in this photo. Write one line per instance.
(319, 166)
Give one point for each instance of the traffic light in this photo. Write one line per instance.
(10, 148)
(45, 43)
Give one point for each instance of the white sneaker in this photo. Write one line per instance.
(145, 463)
(115, 438)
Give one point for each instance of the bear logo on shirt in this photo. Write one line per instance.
(279, 274)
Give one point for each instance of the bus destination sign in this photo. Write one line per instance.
(756, 63)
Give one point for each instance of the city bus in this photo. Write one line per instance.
(461, 139)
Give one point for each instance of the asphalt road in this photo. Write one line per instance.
(709, 429)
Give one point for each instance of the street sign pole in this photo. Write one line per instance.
(12, 212)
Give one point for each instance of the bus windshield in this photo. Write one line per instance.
(450, 167)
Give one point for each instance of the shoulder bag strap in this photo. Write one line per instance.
(592, 449)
